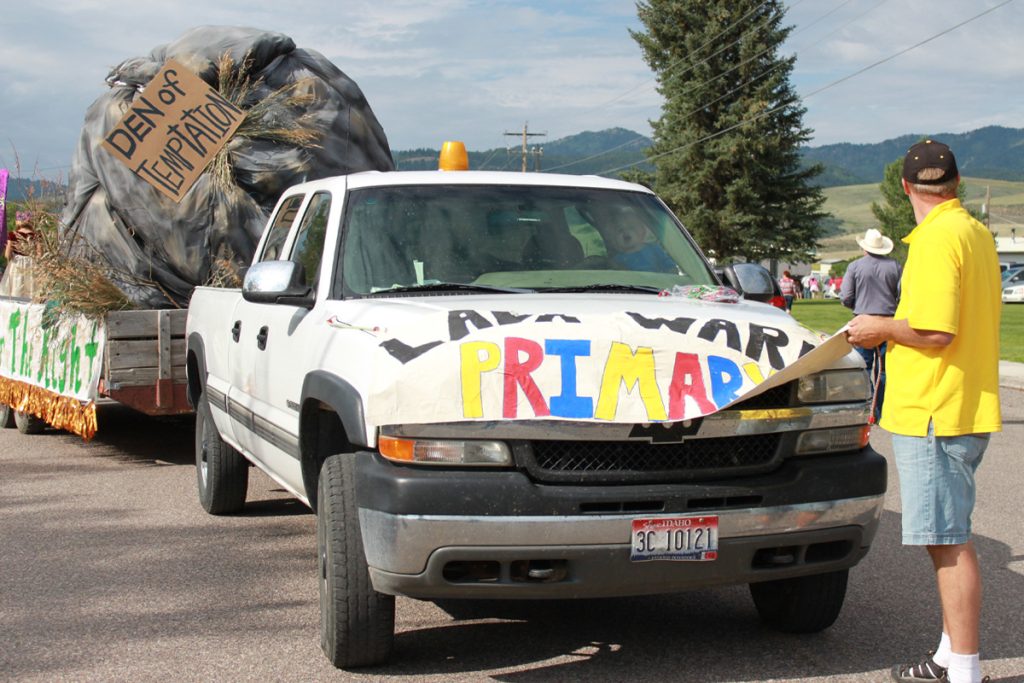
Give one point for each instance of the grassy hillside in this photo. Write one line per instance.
(851, 205)
(990, 152)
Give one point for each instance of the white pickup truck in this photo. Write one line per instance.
(506, 385)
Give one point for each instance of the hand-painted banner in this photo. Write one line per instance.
(622, 367)
(50, 371)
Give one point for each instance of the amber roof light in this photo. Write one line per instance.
(453, 157)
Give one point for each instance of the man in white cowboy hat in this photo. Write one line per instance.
(872, 287)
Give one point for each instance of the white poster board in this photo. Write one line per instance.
(623, 367)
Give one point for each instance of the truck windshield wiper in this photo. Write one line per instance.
(452, 287)
(646, 289)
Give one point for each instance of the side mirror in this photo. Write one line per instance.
(751, 280)
(277, 282)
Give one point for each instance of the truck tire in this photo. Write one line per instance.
(6, 416)
(27, 423)
(357, 624)
(221, 472)
(806, 604)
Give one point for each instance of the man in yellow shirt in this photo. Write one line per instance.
(942, 398)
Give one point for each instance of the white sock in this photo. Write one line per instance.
(964, 668)
(941, 656)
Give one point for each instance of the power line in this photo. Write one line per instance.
(812, 93)
(733, 68)
(486, 161)
(681, 59)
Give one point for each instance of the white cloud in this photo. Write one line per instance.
(475, 68)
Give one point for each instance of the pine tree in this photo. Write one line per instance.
(727, 145)
(896, 215)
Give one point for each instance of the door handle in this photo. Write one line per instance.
(236, 331)
(261, 338)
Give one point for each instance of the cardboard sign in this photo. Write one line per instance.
(173, 130)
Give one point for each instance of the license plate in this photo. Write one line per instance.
(674, 538)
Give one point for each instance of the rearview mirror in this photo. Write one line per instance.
(751, 280)
(277, 282)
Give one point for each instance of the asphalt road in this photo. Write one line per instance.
(110, 571)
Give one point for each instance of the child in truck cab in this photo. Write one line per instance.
(630, 247)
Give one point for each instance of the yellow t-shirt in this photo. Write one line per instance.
(950, 284)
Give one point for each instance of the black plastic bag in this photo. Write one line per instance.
(158, 250)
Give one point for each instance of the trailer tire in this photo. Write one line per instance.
(27, 423)
(6, 416)
(806, 604)
(357, 624)
(222, 474)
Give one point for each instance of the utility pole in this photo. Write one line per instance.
(986, 206)
(526, 136)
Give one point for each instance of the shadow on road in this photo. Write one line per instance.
(132, 437)
(891, 614)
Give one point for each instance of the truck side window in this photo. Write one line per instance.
(309, 242)
(279, 228)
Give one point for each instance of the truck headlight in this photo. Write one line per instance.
(835, 386)
(445, 452)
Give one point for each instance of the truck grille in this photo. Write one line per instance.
(634, 461)
(778, 397)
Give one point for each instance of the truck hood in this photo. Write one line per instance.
(606, 357)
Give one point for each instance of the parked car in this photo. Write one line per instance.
(1009, 265)
(1013, 294)
(1013, 276)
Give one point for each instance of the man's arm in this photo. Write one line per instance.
(848, 290)
(868, 331)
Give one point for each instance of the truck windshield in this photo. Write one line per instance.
(513, 238)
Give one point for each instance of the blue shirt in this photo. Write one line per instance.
(651, 258)
(872, 285)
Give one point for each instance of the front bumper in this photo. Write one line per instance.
(431, 533)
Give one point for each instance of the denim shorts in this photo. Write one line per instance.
(937, 485)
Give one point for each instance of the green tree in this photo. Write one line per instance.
(896, 215)
(726, 147)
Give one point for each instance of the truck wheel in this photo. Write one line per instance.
(806, 604)
(27, 423)
(357, 624)
(221, 471)
(6, 416)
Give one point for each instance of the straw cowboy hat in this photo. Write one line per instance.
(875, 242)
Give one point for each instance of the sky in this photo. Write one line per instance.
(474, 70)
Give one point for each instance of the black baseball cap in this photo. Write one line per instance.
(929, 154)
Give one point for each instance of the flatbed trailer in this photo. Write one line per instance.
(144, 361)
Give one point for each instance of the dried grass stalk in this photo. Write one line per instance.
(269, 116)
(70, 283)
(224, 270)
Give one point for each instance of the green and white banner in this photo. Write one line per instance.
(51, 368)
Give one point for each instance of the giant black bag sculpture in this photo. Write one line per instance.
(157, 250)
